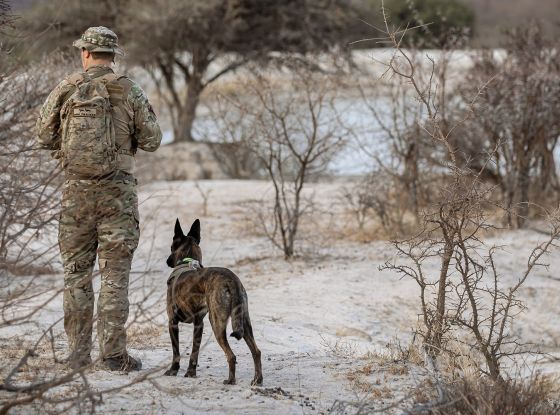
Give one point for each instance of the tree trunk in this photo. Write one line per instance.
(187, 116)
(519, 193)
(434, 345)
(523, 202)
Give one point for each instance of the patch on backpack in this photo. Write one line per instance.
(85, 112)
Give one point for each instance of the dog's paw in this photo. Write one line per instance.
(171, 372)
(257, 381)
(190, 374)
(229, 382)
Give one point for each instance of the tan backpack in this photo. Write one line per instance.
(88, 135)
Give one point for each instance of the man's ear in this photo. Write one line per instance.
(195, 231)
(178, 230)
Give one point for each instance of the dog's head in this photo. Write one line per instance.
(185, 246)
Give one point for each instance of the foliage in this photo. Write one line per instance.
(444, 19)
(185, 46)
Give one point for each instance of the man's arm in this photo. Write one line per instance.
(48, 123)
(146, 128)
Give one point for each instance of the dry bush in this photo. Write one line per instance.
(29, 180)
(517, 120)
(294, 132)
(31, 375)
(235, 158)
(467, 291)
(381, 199)
(537, 395)
(409, 165)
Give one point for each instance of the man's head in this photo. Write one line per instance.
(98, 46)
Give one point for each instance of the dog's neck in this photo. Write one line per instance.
(190, 262)
(186, 264)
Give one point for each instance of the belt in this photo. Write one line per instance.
(126, 152)
(116, 175)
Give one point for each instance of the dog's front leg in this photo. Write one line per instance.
(174, 334)
(197, 339)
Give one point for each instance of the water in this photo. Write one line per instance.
(365, 137)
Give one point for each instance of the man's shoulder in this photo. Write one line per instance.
(57, 94)
(66, 83)
(135, 92)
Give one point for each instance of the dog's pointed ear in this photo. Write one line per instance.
(195, 231)
(178, 231)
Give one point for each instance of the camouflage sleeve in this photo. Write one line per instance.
(146, 128)
(48, 123)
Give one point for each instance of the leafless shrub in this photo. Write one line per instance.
(29, 181)
(228, 146)
(205, 195)
(293, 132)
(451, 232)
(397, 117)
(31, 373)
(29, 189)
(405, 156)
(518, 115)
(377, 196)
(469, 293)
(236, 160)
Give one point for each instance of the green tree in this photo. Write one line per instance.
(192, 44)
(444, 20)
(187, 45)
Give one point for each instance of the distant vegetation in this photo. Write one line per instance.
(442, 20)
(488, 19)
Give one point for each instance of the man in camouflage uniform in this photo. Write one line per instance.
(100, 214)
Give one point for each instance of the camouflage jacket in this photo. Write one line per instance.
(135, 122)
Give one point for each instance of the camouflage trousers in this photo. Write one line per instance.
(97, 218)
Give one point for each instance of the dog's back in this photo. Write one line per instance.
(213, 289)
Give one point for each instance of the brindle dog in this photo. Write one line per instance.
(192, 293)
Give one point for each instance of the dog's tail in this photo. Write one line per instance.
(238, 313)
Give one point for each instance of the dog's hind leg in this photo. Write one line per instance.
(197, 339)
(250, 340)
(174, 334)
(219, 326)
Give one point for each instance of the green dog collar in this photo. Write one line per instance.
(192, 263)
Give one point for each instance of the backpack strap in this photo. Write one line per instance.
(117, 91)
(76, 78)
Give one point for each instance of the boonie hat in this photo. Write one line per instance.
(99, 39)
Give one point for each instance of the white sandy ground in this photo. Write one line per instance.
(314, 318)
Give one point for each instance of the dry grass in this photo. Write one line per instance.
(340, 348)
(144, 336)
(379, 376)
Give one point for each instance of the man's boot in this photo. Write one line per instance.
(123, 363)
